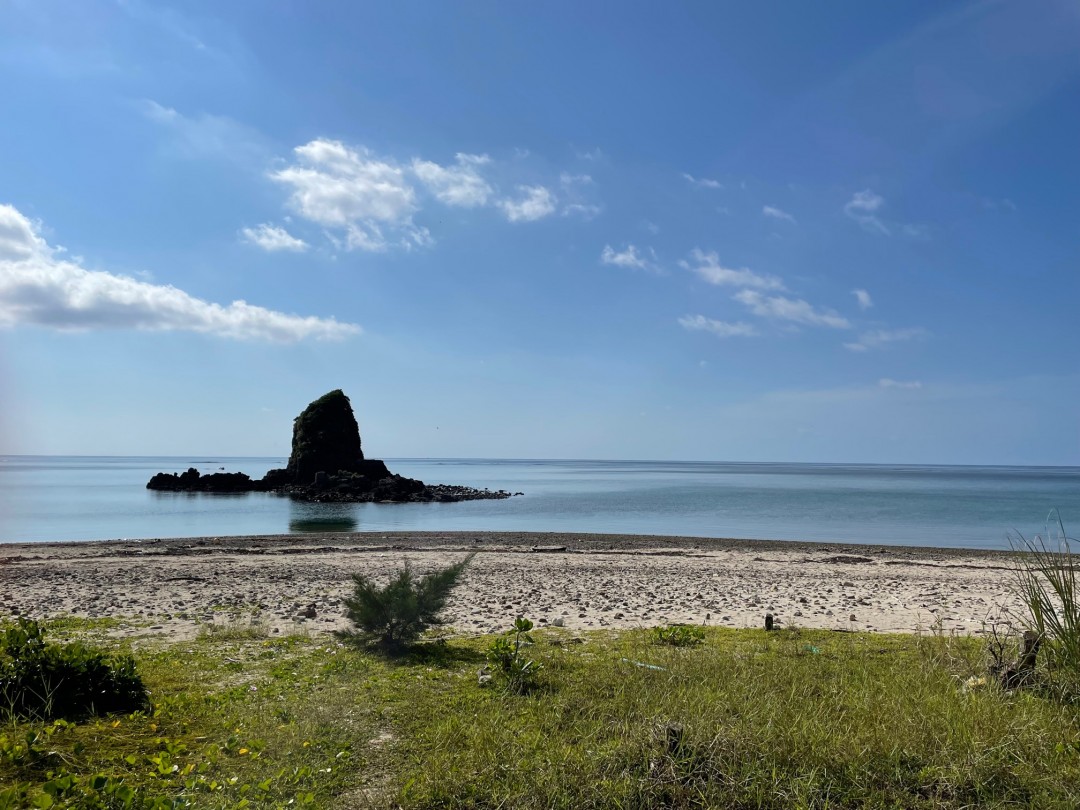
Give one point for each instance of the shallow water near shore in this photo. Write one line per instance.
(104, 498)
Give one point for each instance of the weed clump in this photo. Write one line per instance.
(43, 681)
(395, 615)
(506, 655)
(678, 635)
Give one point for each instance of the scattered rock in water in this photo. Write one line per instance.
(326, 465)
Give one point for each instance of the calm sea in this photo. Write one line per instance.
(83, 498)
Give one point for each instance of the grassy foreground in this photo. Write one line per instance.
(790, 719)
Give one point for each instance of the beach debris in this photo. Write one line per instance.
(673, 737)
(642, 664)
(547, 549)
(768, 621)
(1022, 672)
(483, 676)
(974, 683)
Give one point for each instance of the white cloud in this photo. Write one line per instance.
(368, 202)
(699, 323)
(864, 299)
(885, 382)
(271, 238)
(789, 309)
(863, 207)
(704, 182)
(38, 287)
(459, 185)
(708, 267)
(536, 202)
(630, 258)
(334, 185)
(776, 213)
(880, 337)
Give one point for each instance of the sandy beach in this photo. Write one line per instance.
(173, 587)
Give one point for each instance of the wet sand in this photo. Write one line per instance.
(583, 581)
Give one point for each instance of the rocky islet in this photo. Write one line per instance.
(326, 464)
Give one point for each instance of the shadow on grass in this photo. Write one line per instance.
(422, 653)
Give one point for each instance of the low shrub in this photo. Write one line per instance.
(678, 635)
(41, 680)
(518, 673)
(395, 615)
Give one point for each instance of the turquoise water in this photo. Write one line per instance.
(81, 498)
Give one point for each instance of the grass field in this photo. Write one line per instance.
(744, 719)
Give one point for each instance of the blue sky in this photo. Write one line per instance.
(791, 232)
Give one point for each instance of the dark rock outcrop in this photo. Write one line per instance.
(326, 439)
(193, 481)
(326, 465)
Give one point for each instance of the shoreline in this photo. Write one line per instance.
(175, 587)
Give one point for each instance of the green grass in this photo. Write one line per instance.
(781, 720)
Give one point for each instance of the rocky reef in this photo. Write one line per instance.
(326, 464)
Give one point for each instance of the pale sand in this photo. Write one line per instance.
(171, 587)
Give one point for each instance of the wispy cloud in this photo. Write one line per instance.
(880, 337)
(459, 185)
(533, 203)
(863, 208)
(994, 204)
(723, 329)
(885, 382)
(864, 299)
(789, 309)
(206, 136)
(704, 182)
(630, 258)
(272, 239)
(39, 287)
(707, 266)
(585, 211)
(776, 213)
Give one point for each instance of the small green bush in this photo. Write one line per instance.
(678, 635)
(40, 680)
(505, 654)
(395, 615)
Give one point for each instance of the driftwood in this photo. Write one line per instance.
(1022, 672)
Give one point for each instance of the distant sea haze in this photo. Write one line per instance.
(51, 498)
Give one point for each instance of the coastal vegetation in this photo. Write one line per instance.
(394, 615)
(791, 718)
(1047, 586)
(41, 680)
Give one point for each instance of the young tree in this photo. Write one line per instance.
(397, 613)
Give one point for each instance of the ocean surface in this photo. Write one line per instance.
(100, 498)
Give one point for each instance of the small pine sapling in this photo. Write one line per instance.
(395, 615)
